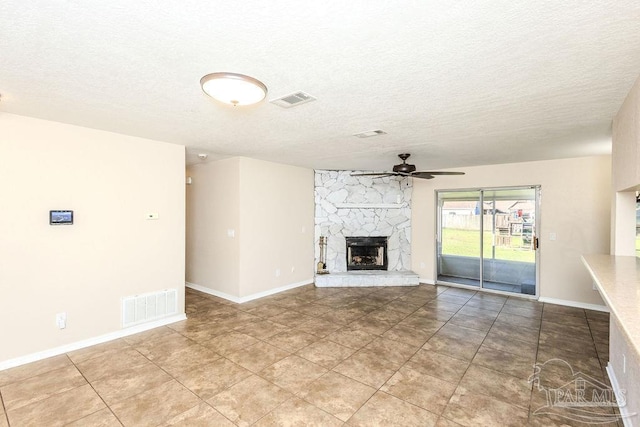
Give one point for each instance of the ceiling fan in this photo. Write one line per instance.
(405, 169)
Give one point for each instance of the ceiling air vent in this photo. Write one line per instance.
(293, 99)
(370, 133)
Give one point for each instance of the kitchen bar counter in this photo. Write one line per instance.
(618, 280)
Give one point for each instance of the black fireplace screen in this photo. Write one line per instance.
(366, 253)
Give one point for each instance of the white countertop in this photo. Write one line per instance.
(618, 280)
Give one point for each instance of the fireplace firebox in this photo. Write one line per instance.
(366, 253)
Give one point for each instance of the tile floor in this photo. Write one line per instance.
(406, 356)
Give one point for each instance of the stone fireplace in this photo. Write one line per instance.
(366, 253)
(360, 206)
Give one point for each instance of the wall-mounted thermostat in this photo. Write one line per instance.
(60, 217)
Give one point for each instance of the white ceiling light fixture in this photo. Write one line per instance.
(234, 89)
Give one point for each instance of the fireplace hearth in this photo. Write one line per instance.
(366, 253)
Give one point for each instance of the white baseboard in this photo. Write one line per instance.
(240, 300)
(594, 307)
(624, 411)
(213, 292)
(34, 357)
(427, 281)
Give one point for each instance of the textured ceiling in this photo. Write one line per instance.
(454, 83)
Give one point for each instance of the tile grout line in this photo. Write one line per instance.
(58, 392)
(593, 339)
(535, 361)
(457, 384)
(136, 394)
(95, 391)
(474, 354)
(339, 329)
(378, 336)
(179, 382)
(401, 366)
(4, 409)
(294, 395)
(471, 361)
(397, 370)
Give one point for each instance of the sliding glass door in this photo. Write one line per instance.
(487, 238)
(459, 238)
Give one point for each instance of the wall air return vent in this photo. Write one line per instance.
(146, 307)
(293, 99)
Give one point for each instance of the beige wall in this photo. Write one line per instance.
(110, 181)
(276, 217)
(575, 205)
(270, 208)
(213, 208)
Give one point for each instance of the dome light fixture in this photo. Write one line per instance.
(234, 89)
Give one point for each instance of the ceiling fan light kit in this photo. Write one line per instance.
(233, 89)
(406, 170)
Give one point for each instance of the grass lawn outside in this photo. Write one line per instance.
(466, 243)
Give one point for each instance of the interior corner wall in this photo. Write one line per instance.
(626, 173)
(276, 222)
(110, 181)
(213, 226)
(626, 142)
(575, 204)
(269, 209)
(623, 224)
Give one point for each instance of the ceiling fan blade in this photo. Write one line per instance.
(439, 173)
(423, 175)
(375, 174)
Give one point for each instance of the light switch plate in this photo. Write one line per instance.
(61, 320)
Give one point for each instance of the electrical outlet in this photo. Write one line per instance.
(422, 265)
(277, 272)
(61, 320)
(293, 269)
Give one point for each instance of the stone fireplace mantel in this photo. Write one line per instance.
(370, 205)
